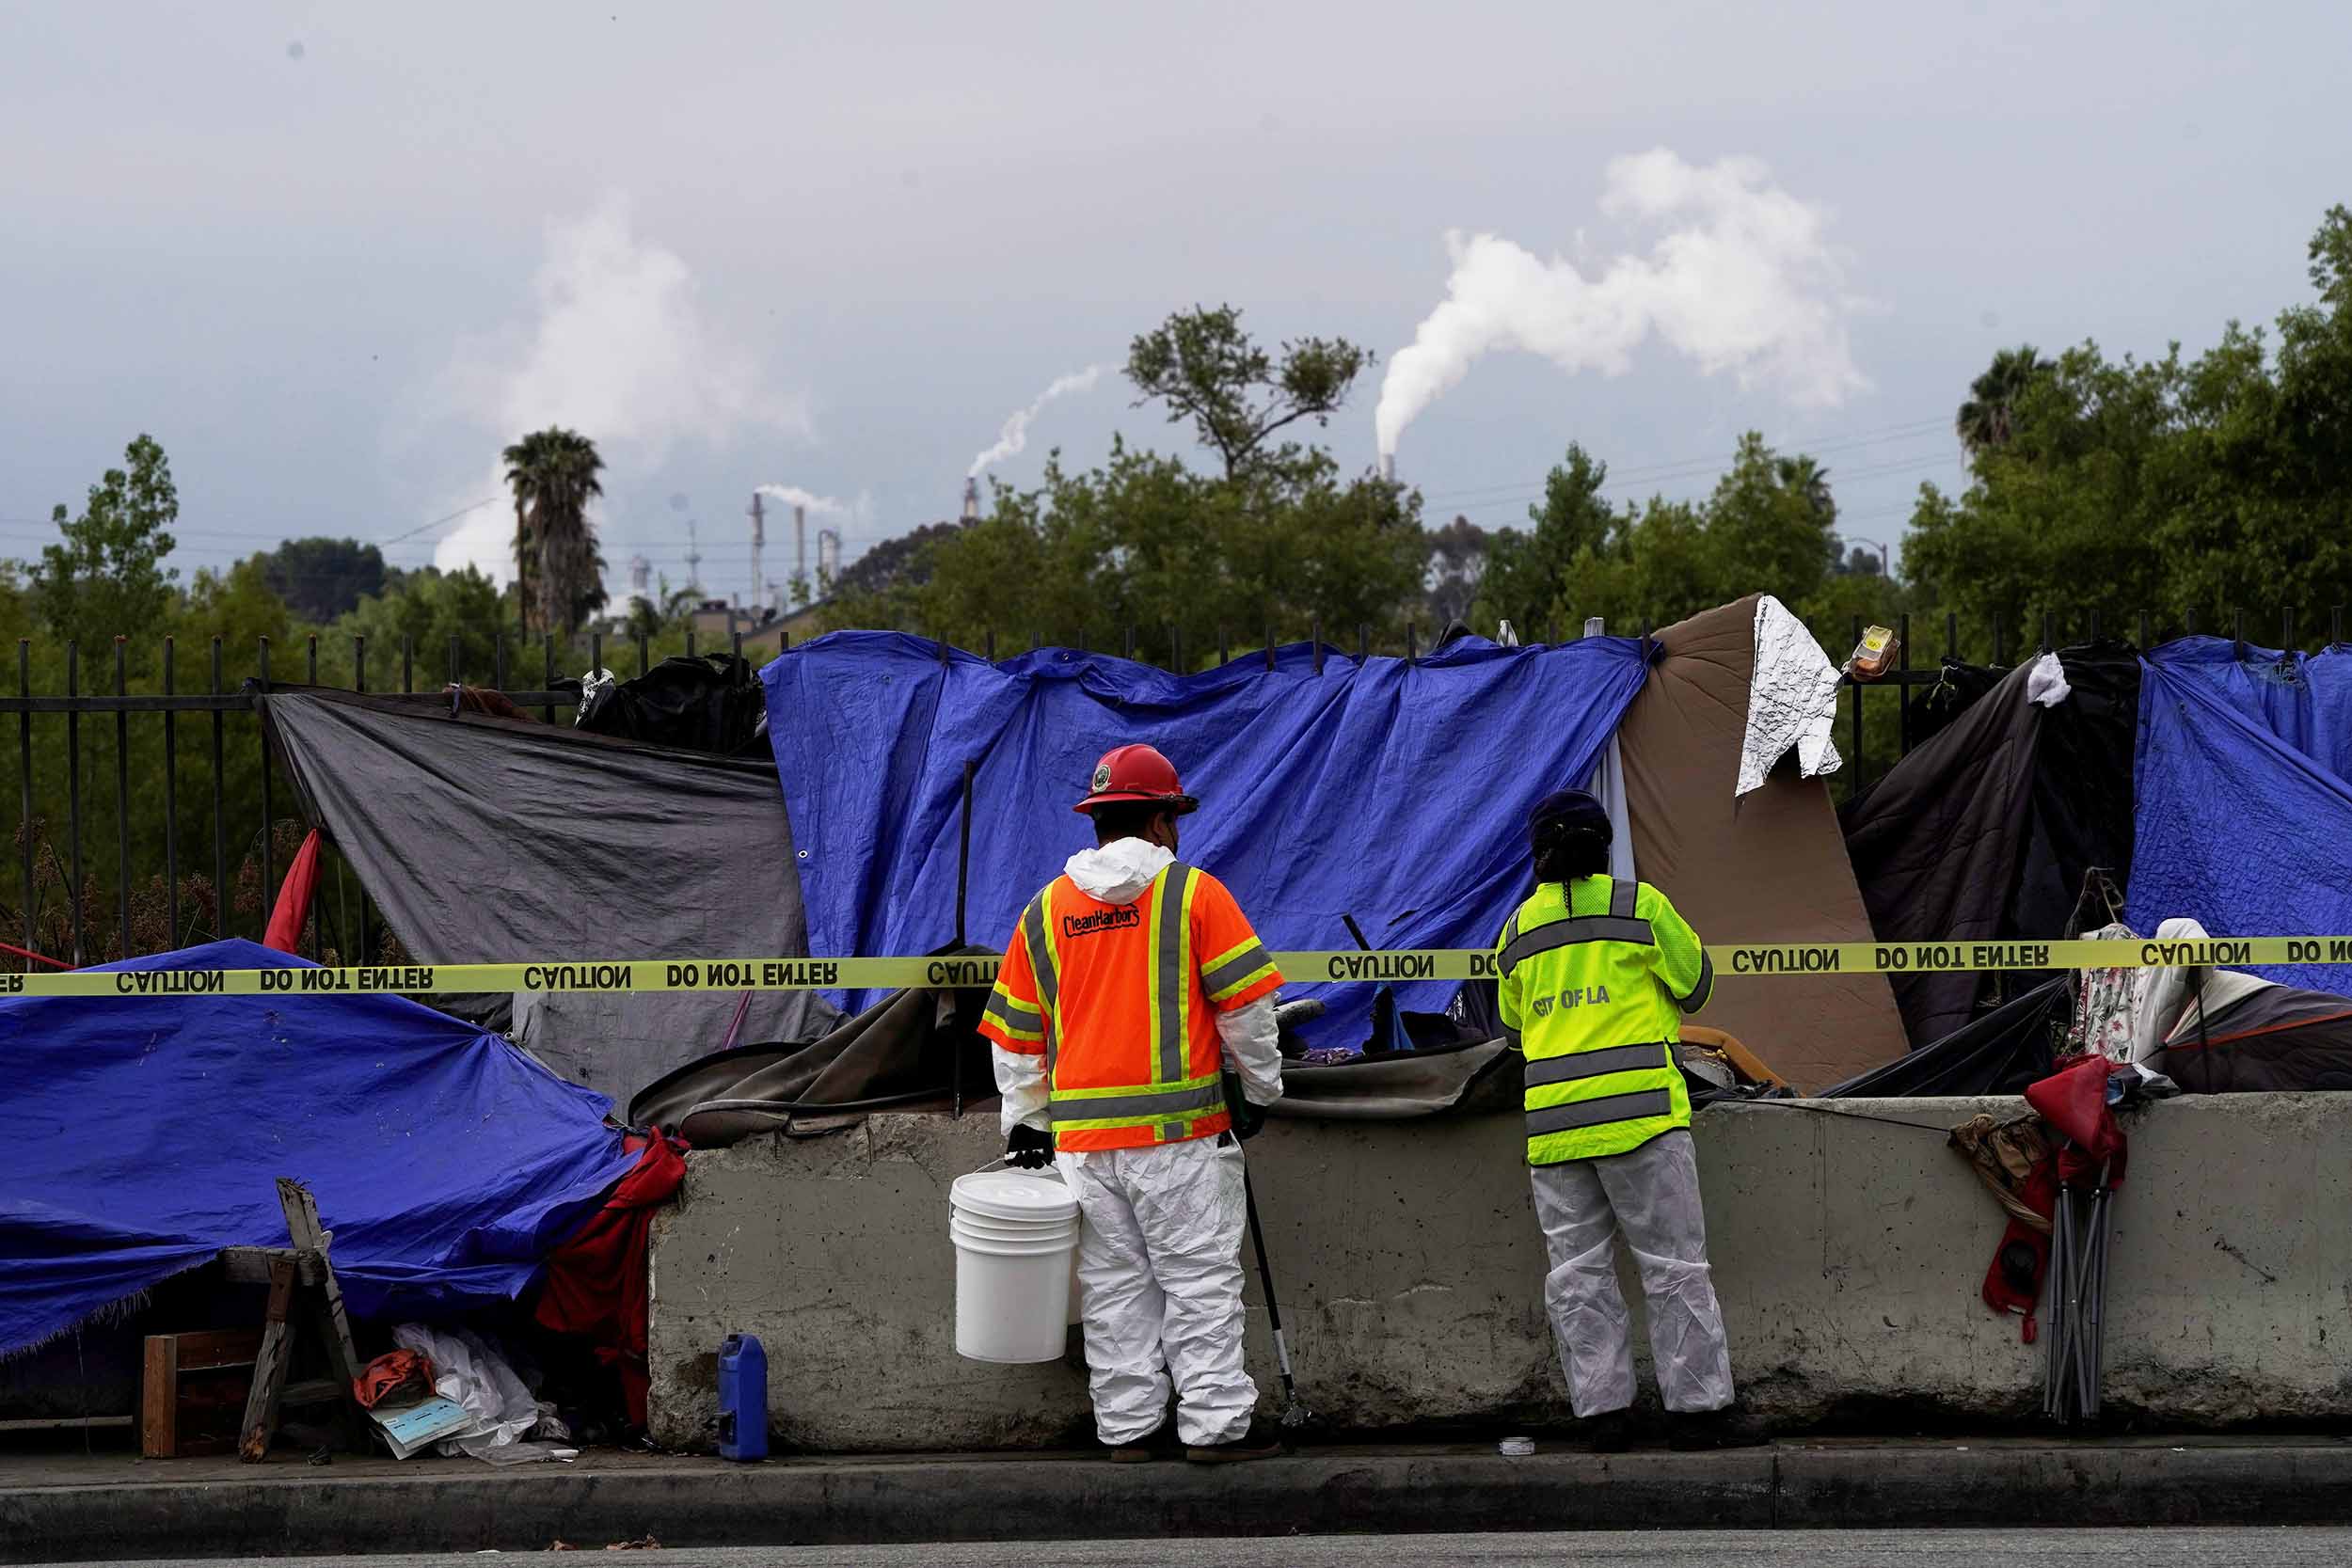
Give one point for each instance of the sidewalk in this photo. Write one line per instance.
(61, 1506)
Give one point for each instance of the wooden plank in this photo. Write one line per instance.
(269, 1368)
(159, 1397)
(67, 1423)
(215, 1347)
(302, 1224)
(249, 1265)
(315, 1390)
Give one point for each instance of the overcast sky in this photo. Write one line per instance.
(334, 257)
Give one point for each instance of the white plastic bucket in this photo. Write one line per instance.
(1016, 1240)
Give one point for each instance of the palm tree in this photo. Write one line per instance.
(1804, 476)
(554, 475)
(1989, 418)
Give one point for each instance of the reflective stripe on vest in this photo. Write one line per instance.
(1171, 1097)
(1603, 1098)
(1037, 922)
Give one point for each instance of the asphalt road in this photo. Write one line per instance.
(2154, 1548)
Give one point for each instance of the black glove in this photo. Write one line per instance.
(1247, 1118)
(1028, 1149)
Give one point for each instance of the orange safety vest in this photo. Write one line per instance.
(1122, 1000)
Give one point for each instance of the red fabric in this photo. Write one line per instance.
(293, 898)
(390, 1372)
(2074, 1101)
(2038, 1193)
(596, 1282)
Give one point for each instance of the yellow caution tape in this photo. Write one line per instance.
(1731, 960)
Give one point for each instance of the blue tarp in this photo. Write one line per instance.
(1394, 792)
(147, 1133)
(2235, 827)
(2303, 699)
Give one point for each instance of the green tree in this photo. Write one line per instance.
(1988, 417)
(321, 578)
(106, 577)
(554, 474)
(2176, 486)
(417, 616)
(1208, 371)
(1529, 573)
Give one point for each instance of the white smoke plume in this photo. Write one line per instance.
(618, 350)
(792, 495)
(1015, 434)
(1740, 277)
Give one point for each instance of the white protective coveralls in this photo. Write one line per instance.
(1651, 1194)
(1159, 1257)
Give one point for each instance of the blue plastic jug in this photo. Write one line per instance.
(742, 1398)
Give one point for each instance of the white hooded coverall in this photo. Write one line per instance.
(1651, 1194)
(1159, 1257)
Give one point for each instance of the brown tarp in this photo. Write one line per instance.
(1767, 867)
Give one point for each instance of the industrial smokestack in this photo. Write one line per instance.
(1387, 466)
(972, 499)
(759, 542)
(800, 547)
(829, 554)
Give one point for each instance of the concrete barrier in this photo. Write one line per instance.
(1847, 1253)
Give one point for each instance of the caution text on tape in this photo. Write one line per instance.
(1741, 960)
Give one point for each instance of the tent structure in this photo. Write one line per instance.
(1988, 831)
(1392, 790)
(1766, 867)
(2239, 828)
(489, 840)
(1998, 1052)
(148, 1131)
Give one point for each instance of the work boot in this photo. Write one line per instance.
(1715, 1429)
(1609, 1432)
(1260, 1442)
(1160, 1440)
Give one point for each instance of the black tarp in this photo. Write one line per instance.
(490, 840)
(1997, 1053)
(903, 1053)
(710, 702)
(1987, 832)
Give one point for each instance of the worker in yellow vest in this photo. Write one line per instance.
(1595, 973)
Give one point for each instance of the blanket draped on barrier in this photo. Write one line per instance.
(1396, 791)
(148, 1131)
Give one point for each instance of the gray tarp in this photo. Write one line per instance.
(502, 840)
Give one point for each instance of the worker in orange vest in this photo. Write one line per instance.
(1131, 990)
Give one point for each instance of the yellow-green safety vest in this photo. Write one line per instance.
(1596, 976)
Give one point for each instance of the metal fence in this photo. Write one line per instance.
(225, 721)
(221, 712)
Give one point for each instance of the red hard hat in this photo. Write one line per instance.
(1138, 774)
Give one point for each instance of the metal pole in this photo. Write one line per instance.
(24, 772)
(1854, 780)
(73, 793)
(122, 798)
(269, 849)
(1902, 691)
(220, 811)
(171, 806)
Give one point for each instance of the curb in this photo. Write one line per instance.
(1073, 1498)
